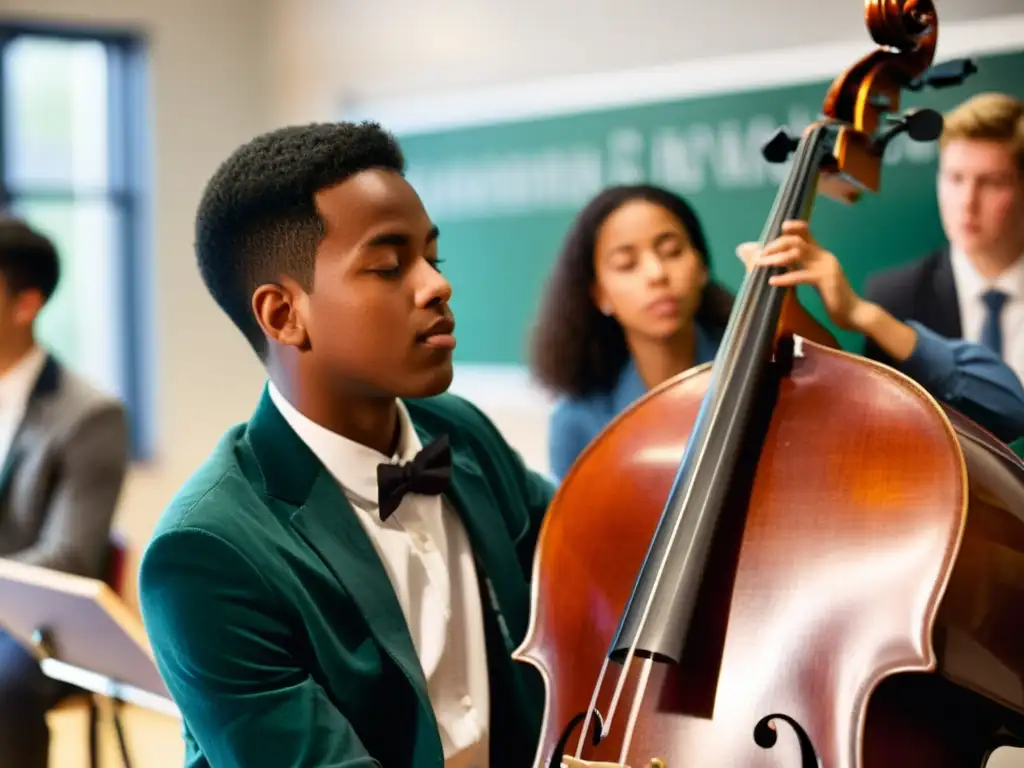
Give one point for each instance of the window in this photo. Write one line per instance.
(72, 151)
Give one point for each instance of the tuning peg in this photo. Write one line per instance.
(923, 124)
(945, 75)
(779, 146)
(920, 124)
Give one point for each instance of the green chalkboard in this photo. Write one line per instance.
(503, 195)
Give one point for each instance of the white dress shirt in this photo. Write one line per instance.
(16, 387)
(426, 552)
(970, 286)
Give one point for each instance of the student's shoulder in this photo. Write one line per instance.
(899, 280)
(210, 548)
(580, 404)
(214, 496)
(81, 402)
(576, 412)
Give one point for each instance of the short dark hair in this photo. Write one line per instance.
(258, 217)
(28, 259)
(576, 350)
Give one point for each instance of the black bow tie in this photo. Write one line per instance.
(427, 473)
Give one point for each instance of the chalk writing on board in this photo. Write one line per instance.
(690, 158)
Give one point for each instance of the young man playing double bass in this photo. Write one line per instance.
(344, 579)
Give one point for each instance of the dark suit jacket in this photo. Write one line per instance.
(923, 290)
(274, 623)
(61, 480)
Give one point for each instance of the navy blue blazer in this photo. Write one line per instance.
(967, 376)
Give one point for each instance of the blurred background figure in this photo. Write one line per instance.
(64, 453)
(973, 287)
(630, 304)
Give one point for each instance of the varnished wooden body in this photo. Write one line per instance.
(980, 633)
(823, 593)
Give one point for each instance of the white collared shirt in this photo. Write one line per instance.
(16, 387)
(426, 553)
(970, 286)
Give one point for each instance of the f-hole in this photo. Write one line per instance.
(765, 736)
(563, 741)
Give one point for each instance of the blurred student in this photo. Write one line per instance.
(973, 287)
(630, 304)
(64, 452)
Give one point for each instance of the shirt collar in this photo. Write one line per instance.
(352, 464)
(971, 285)
(17, 383)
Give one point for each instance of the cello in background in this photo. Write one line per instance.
(837, 575)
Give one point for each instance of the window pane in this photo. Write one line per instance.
(55, 113)
(81, 324)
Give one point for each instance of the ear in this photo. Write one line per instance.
(27, 306)
(280, 310)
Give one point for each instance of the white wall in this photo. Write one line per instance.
(395, 48)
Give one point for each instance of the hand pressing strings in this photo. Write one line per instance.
(809, 264)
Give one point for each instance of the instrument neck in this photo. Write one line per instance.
(656, 621)
(755, 316)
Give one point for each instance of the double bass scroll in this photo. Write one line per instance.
(744, 568)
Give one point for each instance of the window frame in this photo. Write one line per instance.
(127, 192)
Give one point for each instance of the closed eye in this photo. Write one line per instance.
(390, 252)
(669, 243)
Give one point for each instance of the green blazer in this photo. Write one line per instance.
(274, 624)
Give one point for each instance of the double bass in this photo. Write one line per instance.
(795, 556)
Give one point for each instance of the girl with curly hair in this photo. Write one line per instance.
(630, 304)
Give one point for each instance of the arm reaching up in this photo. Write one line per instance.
(967, 376)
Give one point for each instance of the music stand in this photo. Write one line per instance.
(82, 633)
